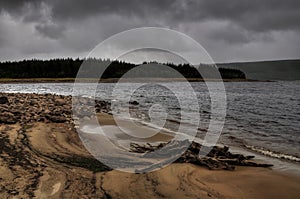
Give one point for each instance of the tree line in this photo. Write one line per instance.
(68, 68)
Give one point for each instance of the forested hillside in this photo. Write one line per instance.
(68, 68)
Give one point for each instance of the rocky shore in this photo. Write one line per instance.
(30, 108)
(42, 156)
(38, 139)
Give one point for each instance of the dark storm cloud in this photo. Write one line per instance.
(15, 7)
(77, 26)
(81, 8)
(256, 15)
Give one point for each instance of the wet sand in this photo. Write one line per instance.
(52, 165)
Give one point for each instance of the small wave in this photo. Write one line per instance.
(165, 130)
(154, 126)
(273, 154)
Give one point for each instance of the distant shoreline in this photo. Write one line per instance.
(112, 80)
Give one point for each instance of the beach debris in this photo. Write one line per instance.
(218, 158)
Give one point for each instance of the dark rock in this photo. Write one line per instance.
(60, 102)
(134, 103)
(3, 100)
(8, 118)
(56, 119)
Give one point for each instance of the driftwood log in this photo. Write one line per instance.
(217, 158)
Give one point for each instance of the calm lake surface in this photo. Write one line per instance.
(265, 116)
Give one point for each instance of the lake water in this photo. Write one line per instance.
(264, 116)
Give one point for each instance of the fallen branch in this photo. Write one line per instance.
(218, 157)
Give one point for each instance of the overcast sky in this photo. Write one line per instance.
(230, 30)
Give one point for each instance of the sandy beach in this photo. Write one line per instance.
(43, 157)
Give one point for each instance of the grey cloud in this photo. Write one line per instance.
(53, 31)
(254, 15)
(249, 19)
(69, 9)
(230, 33)
(18, 7)
(79, 25)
